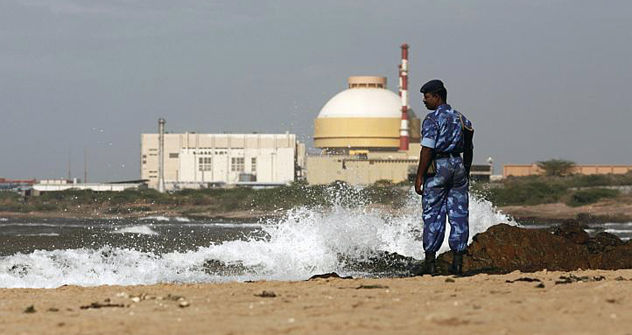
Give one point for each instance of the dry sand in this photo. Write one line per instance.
(482, 304)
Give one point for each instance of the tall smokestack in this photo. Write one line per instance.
(403, 130)
(399, 71)
(161, 154)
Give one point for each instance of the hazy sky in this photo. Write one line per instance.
(539, 78)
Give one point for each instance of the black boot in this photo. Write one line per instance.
(430, 264)
(457, 263)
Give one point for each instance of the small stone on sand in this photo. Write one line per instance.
(266, 294)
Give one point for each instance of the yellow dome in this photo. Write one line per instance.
(366, 115)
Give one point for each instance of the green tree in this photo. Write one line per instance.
(557, 167)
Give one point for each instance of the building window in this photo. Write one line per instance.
(205, 163)
(253, 165)
(173, 155)
(237, 164)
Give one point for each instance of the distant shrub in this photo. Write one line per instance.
(589, 196)
(529, 192)
(557, 167)
(9, 197)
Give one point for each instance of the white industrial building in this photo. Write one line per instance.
(193, 160)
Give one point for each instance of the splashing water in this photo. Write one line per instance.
(141, 230)
(305, 242)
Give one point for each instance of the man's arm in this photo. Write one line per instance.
(424, 161)
(468, 154)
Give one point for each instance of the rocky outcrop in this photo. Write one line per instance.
(504, 248)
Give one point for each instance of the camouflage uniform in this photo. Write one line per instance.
(445, 192)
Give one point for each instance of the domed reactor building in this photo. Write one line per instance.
(367, 133)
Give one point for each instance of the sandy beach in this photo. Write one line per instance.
(581, 302)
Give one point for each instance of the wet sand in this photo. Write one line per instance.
(482, 304)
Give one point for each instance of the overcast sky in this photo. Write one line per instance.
(539, 79)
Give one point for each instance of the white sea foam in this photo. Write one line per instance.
(306, 242)
(155, 218)
(182, 219)
(141, 230)
(613, 224)
(4, 219)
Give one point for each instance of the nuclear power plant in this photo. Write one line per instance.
(366, 133)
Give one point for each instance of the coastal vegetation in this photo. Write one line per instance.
(571, 190)
(206, 202)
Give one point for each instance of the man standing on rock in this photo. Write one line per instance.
(444, 174)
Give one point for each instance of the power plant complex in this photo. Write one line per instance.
(365, 133)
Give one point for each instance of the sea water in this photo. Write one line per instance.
(39, 253)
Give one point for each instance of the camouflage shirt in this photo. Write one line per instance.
(441, 130)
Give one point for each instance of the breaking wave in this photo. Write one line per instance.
(305, 242)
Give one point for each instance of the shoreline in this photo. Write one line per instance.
(594, 301)
(235, 215)
(556, 213)
(561, 213)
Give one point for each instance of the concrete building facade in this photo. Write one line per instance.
(362, 169)
(194, 160)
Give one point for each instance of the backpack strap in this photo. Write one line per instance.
(463, 123)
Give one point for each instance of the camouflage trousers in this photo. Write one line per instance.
(446, 193)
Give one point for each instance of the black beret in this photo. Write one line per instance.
(432, 86)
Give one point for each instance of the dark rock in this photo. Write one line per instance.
(383, 262)
(370, 287)
(541, 285)
(573, 232)
(603, 242)
(328, 276)
(504, 248)
(574, 279)
(97, 305)
(266, 294)
(524, 279)
(30, 309)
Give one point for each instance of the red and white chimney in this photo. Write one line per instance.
(399, 73)
(403, 130)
